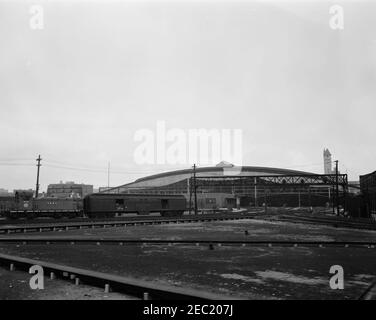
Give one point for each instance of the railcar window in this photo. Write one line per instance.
(164, 203)
(119, 204)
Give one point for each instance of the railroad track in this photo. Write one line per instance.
(332, 222)
(109, 282)
(79, 219)
(60, 226)
(329, 217)
(127, 217)
(138, 288)
(211, 244)
(369, 293)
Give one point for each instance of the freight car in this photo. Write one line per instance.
(58, 207)
(47, 207)
(94, 205)
(110, 205)
(7, 203)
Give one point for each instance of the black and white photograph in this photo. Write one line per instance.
(200, 152)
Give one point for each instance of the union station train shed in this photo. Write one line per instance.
(229, 186)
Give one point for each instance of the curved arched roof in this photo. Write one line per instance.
(171, 177)
(271, 171)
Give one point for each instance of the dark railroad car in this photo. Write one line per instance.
(47, 207)
(7, 203)
(107, 205)
(55, 204)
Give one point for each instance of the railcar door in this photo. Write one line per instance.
(165, 204)
(144, 206)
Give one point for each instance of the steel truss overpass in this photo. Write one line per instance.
(270, 181)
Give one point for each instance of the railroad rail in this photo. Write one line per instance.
(369, 293)
(121, 223)
(151, 220)
(333, 222)
(138, 288)
(210, 243)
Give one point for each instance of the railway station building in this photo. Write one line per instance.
(180, 182)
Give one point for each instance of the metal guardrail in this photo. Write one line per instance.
(137, 288)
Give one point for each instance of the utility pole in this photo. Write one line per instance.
(190, 194)
(309, 197)
(337, 190)
(255, 192)
(108, 175)
(195, 187)
(265, 199)
(299, 198)
(37, 186)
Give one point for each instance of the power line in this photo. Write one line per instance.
(16, 165)
(98, 170)
(103, 168)
(15, 159)
(51, 163)
(66, 165)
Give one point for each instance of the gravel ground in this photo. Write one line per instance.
(15, 286)
(226, 230)
(256, 273)
(247, 272)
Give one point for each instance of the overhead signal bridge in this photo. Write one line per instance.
(280, 180)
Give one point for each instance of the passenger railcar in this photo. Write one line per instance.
(109, 205)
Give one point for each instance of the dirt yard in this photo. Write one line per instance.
(246, 272)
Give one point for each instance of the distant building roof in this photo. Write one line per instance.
(368, 174)
(224, 164)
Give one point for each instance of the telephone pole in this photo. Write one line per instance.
(337, 190)
(195, 187)
(108, 175)
(37, 186)
(255, 181)
(190, 194)
(265, 199)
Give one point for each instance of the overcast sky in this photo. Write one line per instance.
(78, 90)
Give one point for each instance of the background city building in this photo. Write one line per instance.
(69, 189)
(5, 192)
(328, 162)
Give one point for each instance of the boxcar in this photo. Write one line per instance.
(107, 205)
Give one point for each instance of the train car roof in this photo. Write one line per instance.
(143, 195)
(4, 197)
